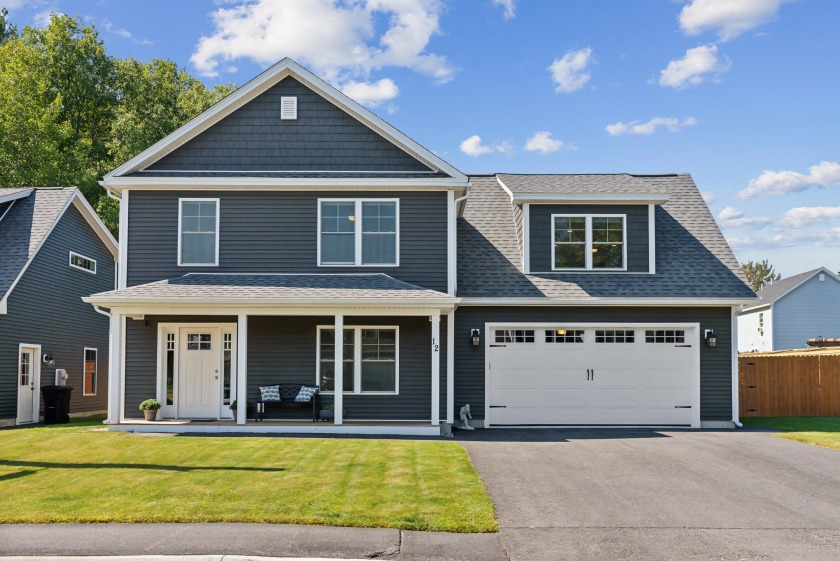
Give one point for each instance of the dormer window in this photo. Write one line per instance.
(588, 242)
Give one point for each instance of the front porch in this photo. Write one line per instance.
(184, 426)
(206, 359)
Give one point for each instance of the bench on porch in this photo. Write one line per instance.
(288, 397)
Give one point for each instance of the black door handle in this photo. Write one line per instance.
(587, 374)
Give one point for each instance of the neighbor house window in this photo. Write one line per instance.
(588, 242)
(761, 323)
(371, 360)
(198, 232)
(89, 381)
(358, 232)
(81, 262)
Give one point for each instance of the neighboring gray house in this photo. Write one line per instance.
(54, 250)
(791, 311)
(288, 217)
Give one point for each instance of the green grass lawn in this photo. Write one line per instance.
(820, 431)
(82, 473)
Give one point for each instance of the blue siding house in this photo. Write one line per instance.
(791, 311)
(54, 250)
(290, 237)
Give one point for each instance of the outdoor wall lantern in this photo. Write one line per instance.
(711, 338)
(49, 360)
(475, 335)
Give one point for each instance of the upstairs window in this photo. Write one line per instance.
(81, 262)
(588, 242)
(198, 232)
(358, 232)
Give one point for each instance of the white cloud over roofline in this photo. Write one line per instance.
(726, 18)
(783, 182)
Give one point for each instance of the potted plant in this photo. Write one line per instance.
(150, 407)
(327, 413)
(249, 409)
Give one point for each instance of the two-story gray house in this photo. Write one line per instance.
(287, 217)
(53, 251)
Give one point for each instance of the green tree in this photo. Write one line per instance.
(7, 30)
(759, 274)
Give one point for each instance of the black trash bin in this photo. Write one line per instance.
(56, 404)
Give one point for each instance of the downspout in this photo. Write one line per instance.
(735, 374)
(99, 310)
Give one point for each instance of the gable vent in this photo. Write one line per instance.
(288, 108)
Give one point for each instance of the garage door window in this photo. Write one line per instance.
(665, 336)
(563, 336)
(514, 335)
(615, 336)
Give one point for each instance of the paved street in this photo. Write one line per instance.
(644, 494)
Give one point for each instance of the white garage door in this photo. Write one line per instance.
(592, 375)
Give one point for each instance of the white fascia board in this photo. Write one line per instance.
(22, 194)
(530, 301)
(756, 308)
(261, 83)
(93, 220)
(591, 198)
(120, 301)
(306, 310)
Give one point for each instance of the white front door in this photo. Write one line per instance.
(28, 371)
(592, 375)
(199, 389)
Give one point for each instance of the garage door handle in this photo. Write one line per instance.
(682, 406)
(498, 406)
(682, 345)
(498, 345)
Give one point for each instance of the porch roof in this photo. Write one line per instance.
(373, 289)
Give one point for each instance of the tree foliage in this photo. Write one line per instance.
(759, 274)
(70, 112)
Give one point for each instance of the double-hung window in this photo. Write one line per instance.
(371, 359)
(358, 232)
(588, 242)
(198, 232)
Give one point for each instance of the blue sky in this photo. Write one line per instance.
(743, 94)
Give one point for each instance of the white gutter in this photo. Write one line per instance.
(543, 301)
(99, 310)
(736, 402)
(204, 302)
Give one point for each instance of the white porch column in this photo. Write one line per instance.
(242, 369)
(450, 367)
(339, 369)
(115, 373)
(435, 368)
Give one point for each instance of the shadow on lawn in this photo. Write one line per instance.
(66, 465)
(16, 474)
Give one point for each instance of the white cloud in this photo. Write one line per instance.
(569, 73)
(371, 94)
(708, 196)
(727, 18)
(806, 216)
(473, 147)
(543, 143)
(698, 64)
(509, 7)
(732, 218)
(43, 18)
(782, 182)
(672, 124)
(108, 26)
(341, 41)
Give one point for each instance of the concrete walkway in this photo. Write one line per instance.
(261, 540)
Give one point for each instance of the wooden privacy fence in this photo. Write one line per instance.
(789, 384)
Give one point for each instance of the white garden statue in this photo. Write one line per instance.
(465, 419)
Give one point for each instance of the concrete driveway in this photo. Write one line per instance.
(645, 494)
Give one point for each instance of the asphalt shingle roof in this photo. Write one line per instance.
(27, 223)
(773, 292)
(291, 174)
(376, 287)
(693, 260)
(616, 183)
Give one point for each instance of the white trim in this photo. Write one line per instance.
(357, 359)
(318, 171)
(260, 84)
(696, 344)
(115, 373)
(591, 198)
(36, 381)
(357, 232)
(435, 348)
(338, 360)
(304, 310)
(78, 200)
(451, 245)
(96, 372)
(526, 238)
(602, 301)
(205, 183)
(181, 202)
(22, 194)
(242, 369)
(652, 239)
(92, 260)
(450, 367)
(122, 263)
(589, 243)
(122, 354)
(736, 414)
